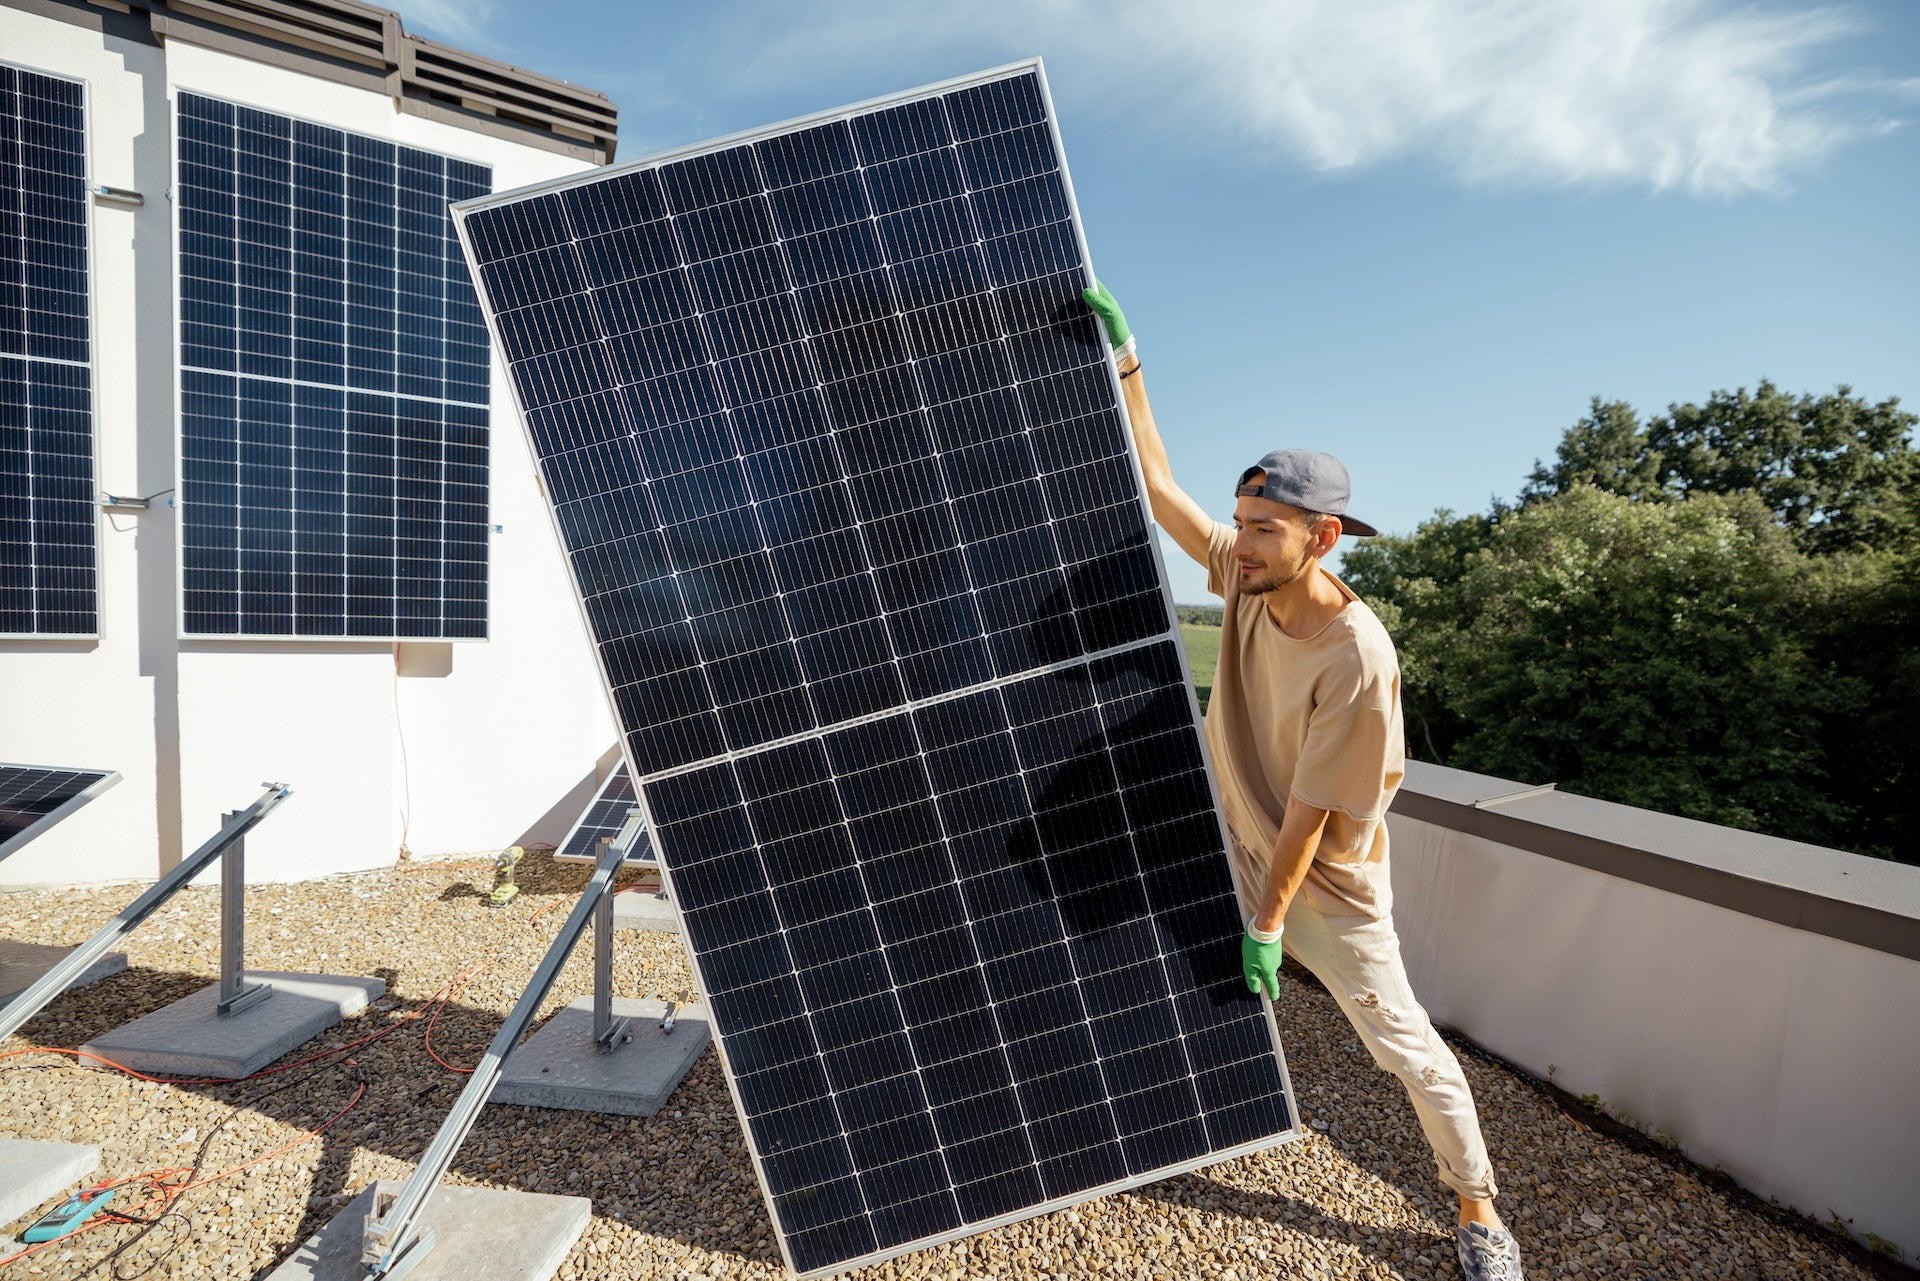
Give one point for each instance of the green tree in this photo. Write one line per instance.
(1607, 449)
(1639, 652)
(1837, 471)
(1713, 613)
(1863, 618)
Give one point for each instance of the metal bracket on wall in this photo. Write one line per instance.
(57, 979)
(392, 1241)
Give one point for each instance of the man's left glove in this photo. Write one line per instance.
(1115, 320)
(1260, 962)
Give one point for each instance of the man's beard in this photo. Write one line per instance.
(1274, 580)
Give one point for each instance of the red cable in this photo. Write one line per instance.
(168, 1193)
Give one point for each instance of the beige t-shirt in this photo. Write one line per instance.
(1318, 718)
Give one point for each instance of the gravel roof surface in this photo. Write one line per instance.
(674, 1195)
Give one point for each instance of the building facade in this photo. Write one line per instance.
(266, 511)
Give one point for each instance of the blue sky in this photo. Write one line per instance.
(1420, 234)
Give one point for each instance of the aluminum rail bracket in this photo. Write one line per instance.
(392, 1242)
(57, 979)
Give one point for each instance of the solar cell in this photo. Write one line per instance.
(47, 541)
(602, 819)
(35, 797)
(334, 393)
(837, 456)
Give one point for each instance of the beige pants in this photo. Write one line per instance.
(1357, 958)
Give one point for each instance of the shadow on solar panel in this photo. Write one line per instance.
(838, 460)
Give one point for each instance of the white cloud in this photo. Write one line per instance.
(1704, 96)
(463, 22)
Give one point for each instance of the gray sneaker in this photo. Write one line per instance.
(1487, 1254)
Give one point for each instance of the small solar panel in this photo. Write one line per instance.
(602, 820)
(35, 797)
(837, 456)
(48, 568)
(334, 384)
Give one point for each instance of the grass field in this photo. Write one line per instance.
(1203, 652)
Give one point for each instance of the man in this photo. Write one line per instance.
(1304, 727)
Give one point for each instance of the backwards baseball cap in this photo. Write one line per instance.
(1307, 479)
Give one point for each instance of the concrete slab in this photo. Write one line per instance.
(480, 1232)
(189, 1038)
(643, 910)
(24, 964)
(31, 1173)
(560, 1067)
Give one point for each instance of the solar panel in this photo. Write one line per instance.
(602, 820)
(35, 797)
(47, 541)
(837, 456)
(334, 397)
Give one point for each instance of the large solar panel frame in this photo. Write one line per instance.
(327, 493)
(693, 787)
(35, 797)
(49, 511)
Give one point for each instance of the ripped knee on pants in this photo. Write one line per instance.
(1371, 1001)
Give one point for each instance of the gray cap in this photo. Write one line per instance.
(1307, 479)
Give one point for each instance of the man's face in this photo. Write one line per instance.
(1273, 545)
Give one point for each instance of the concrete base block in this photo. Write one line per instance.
(479, 1232)
(24, 964)
(643, 910)
(189, 1038)
(31, 1173)
(560, 1067)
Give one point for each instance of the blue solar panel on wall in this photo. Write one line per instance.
(837, 456)
(333, 384)
(47, 505)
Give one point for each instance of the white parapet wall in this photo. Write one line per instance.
(448, 747)
(1755, 1001)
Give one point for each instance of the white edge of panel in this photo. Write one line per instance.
(55, 815)
(1007, 71)
(690, 150)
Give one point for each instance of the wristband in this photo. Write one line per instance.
(1259, 935)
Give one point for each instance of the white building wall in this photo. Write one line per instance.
(1782, 1056)
(451, 747)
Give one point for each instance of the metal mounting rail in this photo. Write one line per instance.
(56, 980)
(392, 1241)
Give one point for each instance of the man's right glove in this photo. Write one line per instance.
(1260, 962)
(1112, 317)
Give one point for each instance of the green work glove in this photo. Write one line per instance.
(1111, 316)
(1260, 962)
